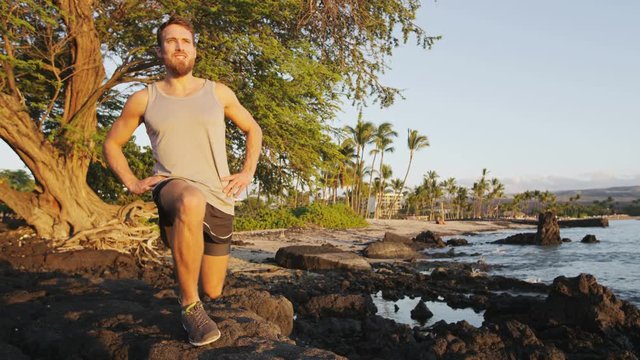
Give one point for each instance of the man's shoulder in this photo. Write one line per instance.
(223, 93)
(142, 94)
(137, 102)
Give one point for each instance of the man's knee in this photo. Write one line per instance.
(190, 206)
(213, 292)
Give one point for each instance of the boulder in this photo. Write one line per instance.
(337, 305)
(589, 239)
(393, 237)
(308, 257)
(275, 309)
(429, 239)
(389, 250)
(421, 312)
(548, 230)
(582, 302)
(457, 242)
(518, 239)
(548, 233)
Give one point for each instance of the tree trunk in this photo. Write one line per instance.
(62, 203)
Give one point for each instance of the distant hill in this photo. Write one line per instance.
(621, 194)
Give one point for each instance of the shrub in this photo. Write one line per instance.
(259, 217)
(266, 219)
(337, 216)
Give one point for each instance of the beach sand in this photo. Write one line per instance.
(260, 246)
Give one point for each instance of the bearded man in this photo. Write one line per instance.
(192, 186)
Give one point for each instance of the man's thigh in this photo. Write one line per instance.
(167, 196)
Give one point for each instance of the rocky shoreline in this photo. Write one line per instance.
(101, 304)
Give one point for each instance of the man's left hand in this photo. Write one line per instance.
(237, 183)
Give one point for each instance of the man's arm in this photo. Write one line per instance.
(121, 131)
(245, 122)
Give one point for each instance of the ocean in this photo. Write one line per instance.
(614, 261)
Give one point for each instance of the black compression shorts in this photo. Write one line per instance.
(217, 226)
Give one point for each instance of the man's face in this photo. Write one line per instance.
(178, 52)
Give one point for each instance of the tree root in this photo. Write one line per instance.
(128, 233)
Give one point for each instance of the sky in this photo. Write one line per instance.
(544, 94)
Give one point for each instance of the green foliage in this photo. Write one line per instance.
(262, 219)
(633, 209)
(254, 215)
(106, 184)
(289, 61)
(338, 216)
(18, 179)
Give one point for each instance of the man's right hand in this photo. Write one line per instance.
(140, 187)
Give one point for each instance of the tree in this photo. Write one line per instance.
(496, 192)
(433, 191)
(18, 180)
(383, 140)
(415, 142)
(362, 134)
(383, 183)
(284, 59)
(451, 188)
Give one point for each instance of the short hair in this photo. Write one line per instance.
(175, 20)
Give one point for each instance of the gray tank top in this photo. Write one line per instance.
(188, 140)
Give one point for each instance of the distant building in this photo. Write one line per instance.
(388, 204)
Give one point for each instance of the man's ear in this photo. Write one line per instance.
(158, 51)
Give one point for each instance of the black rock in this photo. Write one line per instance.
(548, 229)
(457, 242)
(430, 239)
(590, 239)
(421, 312)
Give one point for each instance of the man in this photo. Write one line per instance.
(184, 116)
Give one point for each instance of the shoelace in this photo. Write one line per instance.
(197, 311)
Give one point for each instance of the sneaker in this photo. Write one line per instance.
(201, 329)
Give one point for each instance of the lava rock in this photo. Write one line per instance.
(421, 312)
(548, 229)
(393, 237)
(389, 250)
(590, 239)
(319, 258)
(457, 242)
(429, 239)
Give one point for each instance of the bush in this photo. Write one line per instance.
(259, 217)
(337, 216)
(266, 219)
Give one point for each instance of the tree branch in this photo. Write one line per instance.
(11, 78)
(22, 135)
(18, 201)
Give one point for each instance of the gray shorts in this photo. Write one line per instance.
(217, 226)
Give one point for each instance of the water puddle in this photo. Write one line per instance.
(441, 311)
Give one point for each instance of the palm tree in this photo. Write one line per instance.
(479, 188)
(375, 153)
(385, 174)
(434, 191)
(347, 151)
(497, 192)
(461, 201)
(362, 134)
(383, 142)
(451, 188)
(415, 142)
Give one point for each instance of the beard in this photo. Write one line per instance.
(178, 67)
